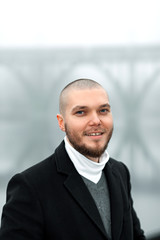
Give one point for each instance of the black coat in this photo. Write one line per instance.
(50, 201)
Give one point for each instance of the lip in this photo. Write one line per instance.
(94, 136)
(94, 132)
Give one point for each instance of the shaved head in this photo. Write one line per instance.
(78, 84)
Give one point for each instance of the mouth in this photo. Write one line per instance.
(94, 134)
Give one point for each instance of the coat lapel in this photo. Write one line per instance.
(79, 191)
(77, 188)
(116, 200)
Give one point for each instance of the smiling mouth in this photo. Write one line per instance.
(94, 134)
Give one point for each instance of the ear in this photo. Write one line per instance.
(61, 122)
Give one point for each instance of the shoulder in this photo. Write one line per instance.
(117, 164)
(41, 167)
(39, 175)
(119, 168)
(32, 178)
(44, 169)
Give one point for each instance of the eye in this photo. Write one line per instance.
(104, 110)
(79, 113)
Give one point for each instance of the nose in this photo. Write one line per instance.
(94, 120)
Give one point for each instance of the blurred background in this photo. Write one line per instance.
(45, 44)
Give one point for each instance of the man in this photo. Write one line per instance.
(78, 193)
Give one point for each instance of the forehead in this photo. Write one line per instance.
(87, 97)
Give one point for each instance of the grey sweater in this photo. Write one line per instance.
(100, 195)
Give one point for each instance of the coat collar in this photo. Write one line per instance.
(77, 188)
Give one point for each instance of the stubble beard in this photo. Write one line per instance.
(86, 150)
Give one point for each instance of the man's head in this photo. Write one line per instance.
(86, 117)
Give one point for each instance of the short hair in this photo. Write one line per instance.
(82, 83)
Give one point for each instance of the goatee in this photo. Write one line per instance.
(85, 150)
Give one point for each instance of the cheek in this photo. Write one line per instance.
(75, 124)
(73, 128)
(77, 129)
(109, 123)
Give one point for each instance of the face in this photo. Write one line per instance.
(87, 121)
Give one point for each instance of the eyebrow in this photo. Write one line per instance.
(79, 107)
(106, 105)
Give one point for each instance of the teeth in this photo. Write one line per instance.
(94, 134)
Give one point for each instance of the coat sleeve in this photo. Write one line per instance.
(22, 214)
(138, 233)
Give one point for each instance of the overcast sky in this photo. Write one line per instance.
(47, 23)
